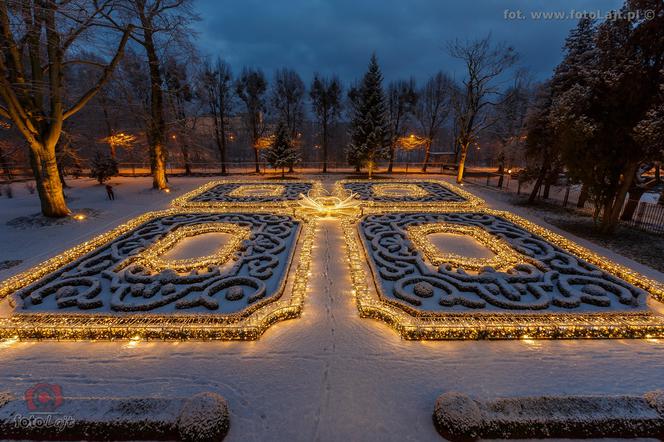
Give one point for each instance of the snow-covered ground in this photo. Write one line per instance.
(328, 375)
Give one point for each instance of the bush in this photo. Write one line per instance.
(103, 167)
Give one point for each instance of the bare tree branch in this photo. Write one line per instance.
(103, 79)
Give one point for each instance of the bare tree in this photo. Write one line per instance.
(180, 98)
(35, 38)
(401, 99)
(157, 24)
(288, 102)
(217, 85)
(510, 114)
(325, 96)
(287, 99)
(251, 88)
(485, 63)
(432, 109)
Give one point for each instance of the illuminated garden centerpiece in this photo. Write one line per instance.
(329, 205)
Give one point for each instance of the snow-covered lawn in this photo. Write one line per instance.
(328, 375)
(32, 245)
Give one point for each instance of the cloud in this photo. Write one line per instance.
(409, 37)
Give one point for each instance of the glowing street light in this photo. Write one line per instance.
(264, 142)
(412, 142)
(119, 140)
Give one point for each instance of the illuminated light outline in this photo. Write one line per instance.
(471, 200)
(384, 190)
(185, 200)
(151, 256)
(504, 257)
(248, 190)
(418, 325)
(248, 324)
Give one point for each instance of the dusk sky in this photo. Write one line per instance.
(409, 37)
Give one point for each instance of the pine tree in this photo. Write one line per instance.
(614, 91)
(282, 153)
(103, 167)
(369, 130)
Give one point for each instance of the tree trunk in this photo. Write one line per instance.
(547, 190)
(185, 158)
(47, 179)
(635, 194)
(61, 175)
(540, 179)
(258, 169)
(324, 147)
(391, 163)
(427, 154)
(462, 162)
(611, 216)
(4, 164)
(158, 164)
(501, 172)
(222, 145)
(583, 197)
(157, 126)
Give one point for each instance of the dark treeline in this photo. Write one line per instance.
(600, 118)
(122, 80)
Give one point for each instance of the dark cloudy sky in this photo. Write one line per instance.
(409, 36)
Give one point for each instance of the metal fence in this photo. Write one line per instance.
(648, 217)
(20, 172)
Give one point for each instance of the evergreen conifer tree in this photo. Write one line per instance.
(103, 167)
(369, 134)
(282, 153)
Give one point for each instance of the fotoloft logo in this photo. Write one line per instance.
(44, 397)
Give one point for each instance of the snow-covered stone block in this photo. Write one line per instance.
(460, 418)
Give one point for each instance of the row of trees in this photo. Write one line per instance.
(128, 66)
(478, 104)
(56, 64)
(600, 118)
(41, 43)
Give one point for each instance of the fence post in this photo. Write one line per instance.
(487, 179)
(566, 196)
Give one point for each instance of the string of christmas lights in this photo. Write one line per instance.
(469, 200)
(255, 190)
(247, 324)
(399, 190)
(245, 190)
(426, 325)
(504, 256)
(151, 257)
